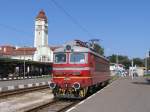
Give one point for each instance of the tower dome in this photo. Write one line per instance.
(41, 15)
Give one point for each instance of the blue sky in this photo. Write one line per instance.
(123, 26)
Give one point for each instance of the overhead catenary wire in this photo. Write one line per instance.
(18, 31)
(75, 21)
(14, 29)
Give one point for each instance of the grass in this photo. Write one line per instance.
(113, 78)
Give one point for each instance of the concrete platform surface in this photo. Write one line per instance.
(123, 95)
(19, 84)
(24, 102)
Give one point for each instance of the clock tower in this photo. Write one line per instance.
(41, 30)
(43, 52)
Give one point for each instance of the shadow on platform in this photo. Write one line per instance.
(147, 82)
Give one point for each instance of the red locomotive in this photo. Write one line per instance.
(77, 69)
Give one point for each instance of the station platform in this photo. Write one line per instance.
(24, 83)
(122, 95)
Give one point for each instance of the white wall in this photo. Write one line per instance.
(22, 57)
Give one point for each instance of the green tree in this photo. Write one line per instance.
(121, 60)
(99, 49)
(96, 46)
(126, 61)
(138, 62)
(112, 58)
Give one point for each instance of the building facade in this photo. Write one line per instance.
(23, 53)
(41, 50)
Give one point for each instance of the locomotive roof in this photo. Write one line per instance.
(79, 49)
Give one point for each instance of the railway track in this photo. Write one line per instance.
(21, 91)
(55, 106)
(41, 100)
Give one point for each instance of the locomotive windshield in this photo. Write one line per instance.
(77, 58)
(60, 58)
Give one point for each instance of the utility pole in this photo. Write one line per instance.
(117, 68)
(117, 61)
(132, 63)
(147, 58)
(146, 67)
(24, 64)
(148, 63)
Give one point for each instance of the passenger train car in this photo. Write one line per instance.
(77, 70)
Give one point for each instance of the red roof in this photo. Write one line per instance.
(24, 51)
(10, 50)
(41, 15)
(13, 51)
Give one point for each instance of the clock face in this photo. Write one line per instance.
(39, 27)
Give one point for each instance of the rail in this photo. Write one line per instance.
(55, 106)
(21, 91)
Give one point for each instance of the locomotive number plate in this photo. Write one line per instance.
(66, 78)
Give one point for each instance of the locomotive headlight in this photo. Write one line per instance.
(52, 85)
(76, 85)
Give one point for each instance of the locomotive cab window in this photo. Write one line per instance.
(60, 58)
(77, 58)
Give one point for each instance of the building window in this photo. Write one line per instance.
(5, 49)
(43, 59)
(39, 27)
